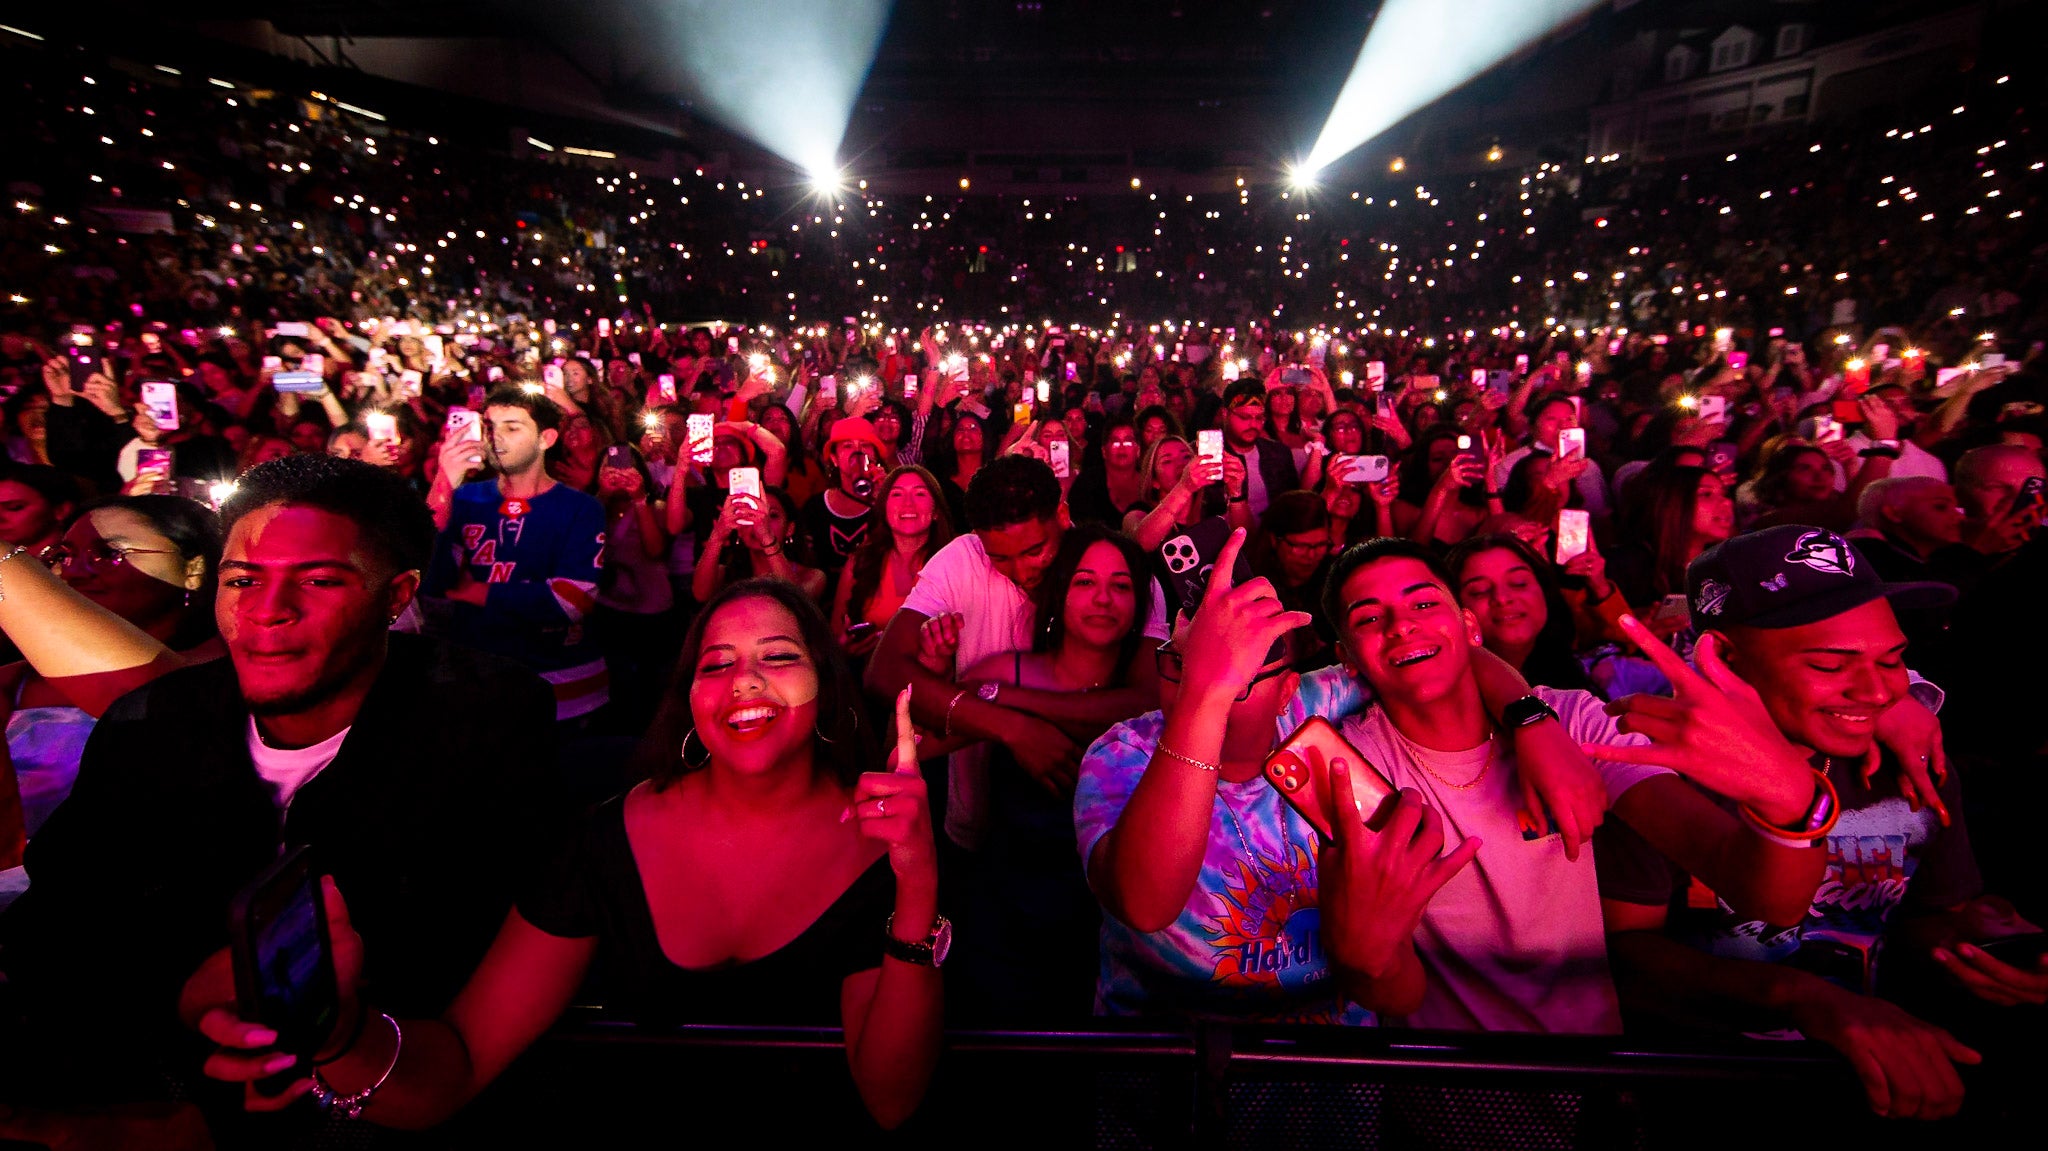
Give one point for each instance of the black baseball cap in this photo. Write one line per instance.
(1789, 576)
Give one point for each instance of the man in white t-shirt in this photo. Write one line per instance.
(973, 600)
(1505, 932)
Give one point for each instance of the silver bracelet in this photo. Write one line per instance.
(18, 550)
(351, 1106)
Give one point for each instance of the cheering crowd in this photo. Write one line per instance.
(1655, 670)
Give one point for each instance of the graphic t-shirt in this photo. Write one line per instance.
(1248, 943)
(541, 559)
(1515, 940)
(832, 536)
(1882, 857)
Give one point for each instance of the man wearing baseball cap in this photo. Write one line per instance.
(835, 520)
(1801, 617)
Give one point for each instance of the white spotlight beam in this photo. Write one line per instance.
(785, 73)
(1419, 50)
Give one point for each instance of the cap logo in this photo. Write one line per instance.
(1775, 583)
(1713, 597)
(1824, 552)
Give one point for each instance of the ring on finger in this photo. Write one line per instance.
(881, 807)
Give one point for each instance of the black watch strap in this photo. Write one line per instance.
(1525, 711)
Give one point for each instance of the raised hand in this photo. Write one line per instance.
(1233, 629)
(1713, 729)
(892, 805)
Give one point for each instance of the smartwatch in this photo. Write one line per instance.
(1525, 711)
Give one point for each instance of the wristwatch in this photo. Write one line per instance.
(930, 951)
(987, 692)
(1525, 711)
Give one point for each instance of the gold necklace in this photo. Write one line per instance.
(1417, 752)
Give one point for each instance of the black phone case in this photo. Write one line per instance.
(297, 865)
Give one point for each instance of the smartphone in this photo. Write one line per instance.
(1300, 770)
(828, 388)
(604, 327)
(1672, 613)
(1209, 444)
(161, 398)
(1376, 374)
(1361, 469)
(910, 386)
(437, 350)
(1991, 360)
(273, 363)
(410, 383)
(1057, 453)
(700, 425)
(1297, 377)
(551, 375)
(494, 374)
(1826, 429)
(1020, 412)
(300, 381)
(1045, 388)
(154, 462)
(618, 456)
(665, 387)
(1571, 442)
(1190, 559)
(633, 358)
(1713, 409)
(381, 426)
(744, 482)
(314, 363)
(290, 328)
(857, 632)
(284, 962)
(2029, 497)
(732, 345)
(1478, 379)
(1739, 361)
(1574, 532)
(1230, 371)
(1522, 364)
(464, 424)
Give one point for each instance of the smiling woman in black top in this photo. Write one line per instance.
(758, 876)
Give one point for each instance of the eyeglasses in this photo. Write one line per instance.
(1167, 659)
(98, 558)
(1319, 544)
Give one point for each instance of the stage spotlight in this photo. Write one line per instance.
(1419, 50)
(1300, 178)
(827, 182)
(783, 72)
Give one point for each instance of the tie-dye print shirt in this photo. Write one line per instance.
(1248, 943)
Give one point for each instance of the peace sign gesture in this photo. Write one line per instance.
(1713, 729)
(892, 805)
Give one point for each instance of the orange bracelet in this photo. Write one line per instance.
(1819, 819)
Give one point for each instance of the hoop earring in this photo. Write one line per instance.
(828, 740)
(685, 754)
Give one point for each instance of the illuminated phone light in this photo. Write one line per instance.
(1689, 403)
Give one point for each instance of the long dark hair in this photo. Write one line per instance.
(875, 547)
(195, 531)
(1665, 510)
(1049, 626)
(843, 739)
(1552, 661)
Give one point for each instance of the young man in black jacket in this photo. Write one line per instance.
(421, 774)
